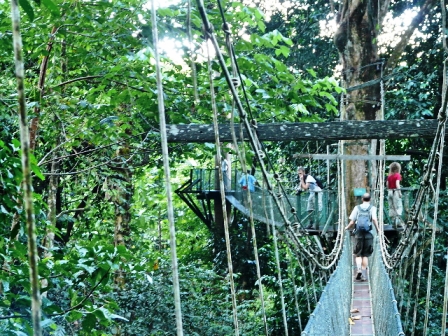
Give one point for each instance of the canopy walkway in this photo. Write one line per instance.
(346, 306)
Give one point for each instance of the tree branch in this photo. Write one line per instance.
(80, 304)
(77, 80)
(416, 21)
(70, 210)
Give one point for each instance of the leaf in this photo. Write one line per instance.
(3, 210)
(312, 72)
(350, 321)
(37, 171)
(51, 6)
(27, 8)
(46, 323)
(89, 321)
(149, 278)
(15, 145)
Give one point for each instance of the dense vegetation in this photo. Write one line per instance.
(98, 186)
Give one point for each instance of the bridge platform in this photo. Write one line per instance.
(202, 190)
(361, 308)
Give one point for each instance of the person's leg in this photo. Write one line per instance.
(358, 259)
(310, 208)
(365, 264)
(392, 211)
(398, 205)
(319, 201)
(366, 252)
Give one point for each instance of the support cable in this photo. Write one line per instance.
(279, 273)
(411, 283)
(242, 158)
(223, 194)
(255, 143)
(296, 299)
(243, 116)
(259, 145)
(434, 230)
(424, 185)
(190, 48)
(166, 167)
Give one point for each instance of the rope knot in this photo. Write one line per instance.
(226, 28)
(236, 82)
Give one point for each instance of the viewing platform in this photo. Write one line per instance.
(202, 188)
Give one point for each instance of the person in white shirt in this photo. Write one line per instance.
(225, 172)
(307, 182)
(363, 247)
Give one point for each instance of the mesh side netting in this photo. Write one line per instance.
(330, 317)
(386, 317)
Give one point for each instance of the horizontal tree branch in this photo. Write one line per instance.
(70, 210)
(77, 80)
(328, 131)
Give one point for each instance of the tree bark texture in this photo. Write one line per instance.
(356, 40)
(359, 24)
(41, 87)
(52, 201)
(122, 201)
(329, 131)
(26, 167)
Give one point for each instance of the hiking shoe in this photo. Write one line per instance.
(363, 278)
(359, 275)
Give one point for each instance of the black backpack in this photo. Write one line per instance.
(364, 220)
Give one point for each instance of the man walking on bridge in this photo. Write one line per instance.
(363, 215)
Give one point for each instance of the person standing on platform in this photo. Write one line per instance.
(247, 182)
(225, 172)
(307, 182)
(394, 194)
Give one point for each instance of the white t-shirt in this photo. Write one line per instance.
(364, 206)
(313, 183)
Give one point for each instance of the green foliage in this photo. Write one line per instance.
(10, 179)
(98, 132)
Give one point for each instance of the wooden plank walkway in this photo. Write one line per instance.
(361, 301)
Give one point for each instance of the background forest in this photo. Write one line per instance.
(98, 185)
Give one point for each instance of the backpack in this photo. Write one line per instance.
(318, 181)
(364, 220)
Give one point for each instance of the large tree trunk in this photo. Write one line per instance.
(355, 40)
(356, 37)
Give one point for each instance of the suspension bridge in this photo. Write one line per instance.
(344, 306)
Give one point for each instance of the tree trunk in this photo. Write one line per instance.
(26, 168)
(359, 23)
(51, 217)
(41, 87)
(122, 201)
(355, 40)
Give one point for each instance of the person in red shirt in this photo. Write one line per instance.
(394, 194)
